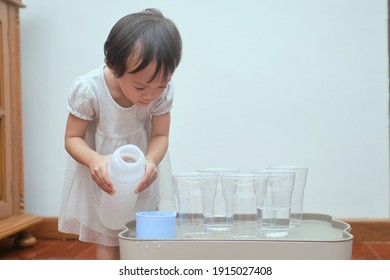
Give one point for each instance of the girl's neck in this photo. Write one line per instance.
(115, 89)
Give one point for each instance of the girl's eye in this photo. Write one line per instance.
(139, 88)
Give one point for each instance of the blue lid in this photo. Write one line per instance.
(155, 214)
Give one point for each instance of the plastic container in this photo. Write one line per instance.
(125, 170)
(155, 225)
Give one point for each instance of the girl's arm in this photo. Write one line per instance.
(76, 146)
(157, 148)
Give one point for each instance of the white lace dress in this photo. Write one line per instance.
(110, 127)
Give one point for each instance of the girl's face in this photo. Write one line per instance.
(138, 88)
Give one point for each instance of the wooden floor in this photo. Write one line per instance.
(76, 250)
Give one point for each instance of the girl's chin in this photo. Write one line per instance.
(142, 104)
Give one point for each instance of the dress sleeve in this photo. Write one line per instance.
(164, 103)
(82, 102)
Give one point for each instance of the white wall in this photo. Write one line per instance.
(261, 82)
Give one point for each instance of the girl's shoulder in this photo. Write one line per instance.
(83, 99)
(93, 79)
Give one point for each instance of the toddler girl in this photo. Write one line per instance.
(125, 101)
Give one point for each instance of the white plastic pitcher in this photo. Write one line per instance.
(125, 170)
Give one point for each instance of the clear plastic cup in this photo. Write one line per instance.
(223, 203)
(274, 215)
(246, 193)
(298, 192)
(195, 194)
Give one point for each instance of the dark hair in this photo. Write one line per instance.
(150, 36)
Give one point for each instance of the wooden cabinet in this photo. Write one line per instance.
(13, 220)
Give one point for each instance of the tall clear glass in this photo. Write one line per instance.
(223, 203)
(246, 194)
(274, 215)
(298, 192)
(195, 193)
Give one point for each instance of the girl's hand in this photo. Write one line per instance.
(149, 176)
(98, 168)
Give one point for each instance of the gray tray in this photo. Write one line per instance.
(318, 237)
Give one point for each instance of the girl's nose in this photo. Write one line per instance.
(150, 94)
